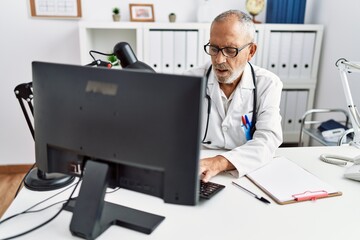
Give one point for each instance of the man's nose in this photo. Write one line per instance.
(220, 58)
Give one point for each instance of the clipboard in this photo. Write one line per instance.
(286, 182)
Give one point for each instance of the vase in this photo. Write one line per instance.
(116, 17)
(172, 17)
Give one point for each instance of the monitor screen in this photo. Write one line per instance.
(143, 127)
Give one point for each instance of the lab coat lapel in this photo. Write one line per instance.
(214, 90)
(242, 92)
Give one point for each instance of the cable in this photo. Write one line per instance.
(37, 204)
(338, 159)
(22, 181)
(104, 54)
(42, 209)
(47, 221)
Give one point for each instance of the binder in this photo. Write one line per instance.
(286, 182)
(281, 12)
(167, 51)
(296, 11)
(155, 50)
(290, 11)
(191, 49)
(284, 58)
(272, 14)
(308, 51)
(179, 51)
(290, 110)
(274, 49)
(296, 55)
(301, 10)
(301, 107)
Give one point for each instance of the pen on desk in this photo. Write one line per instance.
(264, 200)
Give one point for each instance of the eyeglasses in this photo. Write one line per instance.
(228, 52)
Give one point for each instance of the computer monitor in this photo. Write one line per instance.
(127, 128)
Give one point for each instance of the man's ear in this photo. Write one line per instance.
(253, 48)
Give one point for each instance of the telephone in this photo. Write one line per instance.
(352, 172)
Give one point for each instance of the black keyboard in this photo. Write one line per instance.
(209, 189)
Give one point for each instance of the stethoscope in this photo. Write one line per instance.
(253, 123)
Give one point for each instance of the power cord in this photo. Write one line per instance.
(47, 221)
(339, 159)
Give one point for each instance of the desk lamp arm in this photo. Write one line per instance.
(346, 67)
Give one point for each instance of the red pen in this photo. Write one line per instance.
(244, 121)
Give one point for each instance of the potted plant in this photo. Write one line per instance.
(113, 60)
(116, 14)
(172, 17)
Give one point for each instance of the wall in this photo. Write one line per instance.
(25, 39)
(341, 40)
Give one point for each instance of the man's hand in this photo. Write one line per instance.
(210, 167)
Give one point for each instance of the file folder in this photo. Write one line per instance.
(179, 51)
(284, 58)
(167, 51)
(191, 49)
(155, 44)
(308, 51)
(290, 111)
(286, 182)
(301, 107)
(274, 49)
(296, 55)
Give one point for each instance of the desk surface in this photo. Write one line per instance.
(230, 214)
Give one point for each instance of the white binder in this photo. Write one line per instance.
(179, 51)
(167, 51)
(296, 56)
(284, 58)
(191, 49)
(274, 50)
(290, 111)
(155, 42)
(308, 50)
(301, 107)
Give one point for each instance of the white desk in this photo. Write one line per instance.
(232, 214)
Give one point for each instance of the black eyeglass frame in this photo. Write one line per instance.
(221, 49)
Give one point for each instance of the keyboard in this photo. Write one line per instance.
(209, 189)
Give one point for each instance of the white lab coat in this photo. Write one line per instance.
(225, 131)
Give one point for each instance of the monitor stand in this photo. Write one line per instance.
(92, 215)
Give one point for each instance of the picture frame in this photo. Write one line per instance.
(55, 8)
(141, 12)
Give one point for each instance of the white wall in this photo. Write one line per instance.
(25, 39)
(341, 40)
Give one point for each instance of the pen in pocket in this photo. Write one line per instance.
(246, 127)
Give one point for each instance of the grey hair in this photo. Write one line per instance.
(244, 19)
